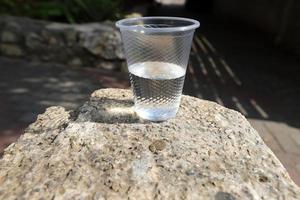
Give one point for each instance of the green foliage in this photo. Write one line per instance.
(73, 11)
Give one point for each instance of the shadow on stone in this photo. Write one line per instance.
(224, 196)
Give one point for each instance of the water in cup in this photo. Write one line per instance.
(157, 88)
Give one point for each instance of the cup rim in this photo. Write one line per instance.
(195, 24)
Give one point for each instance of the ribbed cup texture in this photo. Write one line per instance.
(172, 47)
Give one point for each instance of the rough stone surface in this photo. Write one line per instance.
(8, 36)
(10, 50)
(104, 151)
(93, 43)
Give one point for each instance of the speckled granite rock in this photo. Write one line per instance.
(103, 151)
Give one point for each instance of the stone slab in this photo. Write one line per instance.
(104, 151)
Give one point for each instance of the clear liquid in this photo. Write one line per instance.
(157, 87)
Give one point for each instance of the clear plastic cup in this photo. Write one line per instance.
(157, 52)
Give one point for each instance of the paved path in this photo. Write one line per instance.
(27, 89)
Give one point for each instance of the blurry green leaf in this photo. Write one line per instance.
(69, 16)
(82, 5)
(9, 3)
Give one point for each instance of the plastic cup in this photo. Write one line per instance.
(157, 52)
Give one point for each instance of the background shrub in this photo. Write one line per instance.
(72, 11)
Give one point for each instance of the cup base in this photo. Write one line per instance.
(156, 114)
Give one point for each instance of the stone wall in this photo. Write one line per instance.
(278, 18)
(86, 45)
